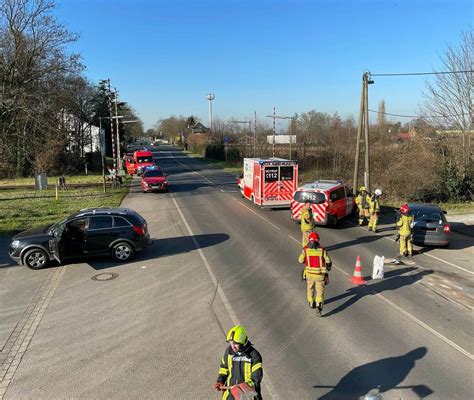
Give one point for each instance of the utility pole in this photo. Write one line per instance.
(109, 102)
(275, 117)
(273, 142)
(102, 152)
(119, 163)
(254, 133)
(363, 126)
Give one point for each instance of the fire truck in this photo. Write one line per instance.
(269, 182)
(330, 201)
(140, 159)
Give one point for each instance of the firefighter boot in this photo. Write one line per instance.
(319, 310)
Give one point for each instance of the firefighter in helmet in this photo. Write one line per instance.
(405, 226)
(307, 222)
(363, 204)
(374, 210)
(241, 363)
(317, 265)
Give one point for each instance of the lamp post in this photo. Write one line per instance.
(210, 97)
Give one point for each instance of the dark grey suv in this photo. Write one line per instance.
(117, 232)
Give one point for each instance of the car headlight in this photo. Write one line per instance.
(15, 244)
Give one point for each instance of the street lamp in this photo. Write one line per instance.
(210, 97)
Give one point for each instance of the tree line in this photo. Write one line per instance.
(47, 106)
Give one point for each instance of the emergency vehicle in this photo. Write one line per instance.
(135, 163)
(337, 203)
(269, 182)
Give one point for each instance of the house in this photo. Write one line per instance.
(198, 127)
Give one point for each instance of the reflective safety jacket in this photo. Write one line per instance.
(363, 201)
(316, 259)
(374, 205)
(404, 225)
(307, 220)
(244, 366)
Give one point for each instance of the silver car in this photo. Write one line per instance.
(431, 226)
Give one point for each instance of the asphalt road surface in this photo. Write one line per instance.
(158, 329)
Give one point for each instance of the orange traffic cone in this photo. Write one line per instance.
(357, 278)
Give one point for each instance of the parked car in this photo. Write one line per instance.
(117, 232)
(430, 225)
(154, 180)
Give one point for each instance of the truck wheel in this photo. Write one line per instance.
(122, 252)
(333, 221)
(36, 259)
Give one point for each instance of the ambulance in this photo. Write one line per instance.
(330, 201)
(269, 182)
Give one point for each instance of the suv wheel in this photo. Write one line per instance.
(122, 251)
(36, 259)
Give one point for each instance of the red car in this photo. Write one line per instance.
(154, 180)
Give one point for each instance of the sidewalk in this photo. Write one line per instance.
(462, 223)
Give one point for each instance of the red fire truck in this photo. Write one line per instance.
(335, 199)
(140, 159)
(269, 182)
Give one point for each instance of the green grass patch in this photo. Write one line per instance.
(466, 207)
(233, 168)
(23, 209)
(90, 178)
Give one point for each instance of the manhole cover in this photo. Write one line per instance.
(106, 276)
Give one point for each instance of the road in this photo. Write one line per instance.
(157, 330)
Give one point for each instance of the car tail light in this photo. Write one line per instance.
(139, 230)
(447, 228)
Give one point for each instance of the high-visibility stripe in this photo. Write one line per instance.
(229, 365)
(256, 366)
(247, 371)
(223, 371)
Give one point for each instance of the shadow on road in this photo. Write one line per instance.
(359, 240)
(166, 247)
(383, 375)
(396, 280)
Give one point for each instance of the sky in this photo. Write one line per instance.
(164, 56)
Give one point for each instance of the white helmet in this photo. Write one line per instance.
(378, 192)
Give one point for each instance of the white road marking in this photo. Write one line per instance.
(257, 214)
(425, 254)
(410, 316)
(265, 383)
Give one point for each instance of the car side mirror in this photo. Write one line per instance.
(445, 212)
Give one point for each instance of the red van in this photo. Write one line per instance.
(141, 158)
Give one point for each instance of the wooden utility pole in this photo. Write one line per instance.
(363, 126)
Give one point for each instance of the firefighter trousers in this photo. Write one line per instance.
(315, 288)
(406, 245)
(374, 217)
(363, 214)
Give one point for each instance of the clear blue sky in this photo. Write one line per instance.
(165, 56)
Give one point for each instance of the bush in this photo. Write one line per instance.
(233, 155)
(215, 151)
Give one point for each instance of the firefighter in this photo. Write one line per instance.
(374, 210)
(307, 223)
(241, 363)
(317, 265)
(363, 204)
(405, 225)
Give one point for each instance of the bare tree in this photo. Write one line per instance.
(450, 96)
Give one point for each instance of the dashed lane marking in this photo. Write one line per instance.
(18, 342)
(267, 382)
(257, 214)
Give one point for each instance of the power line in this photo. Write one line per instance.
(418, 116)
(424, 73)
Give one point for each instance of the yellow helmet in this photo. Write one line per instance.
(362, 189)
(238, 335)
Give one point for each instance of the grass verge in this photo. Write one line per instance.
(90, 178)
(24, 209)
(226, 166)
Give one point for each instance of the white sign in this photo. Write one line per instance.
(281, 139)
